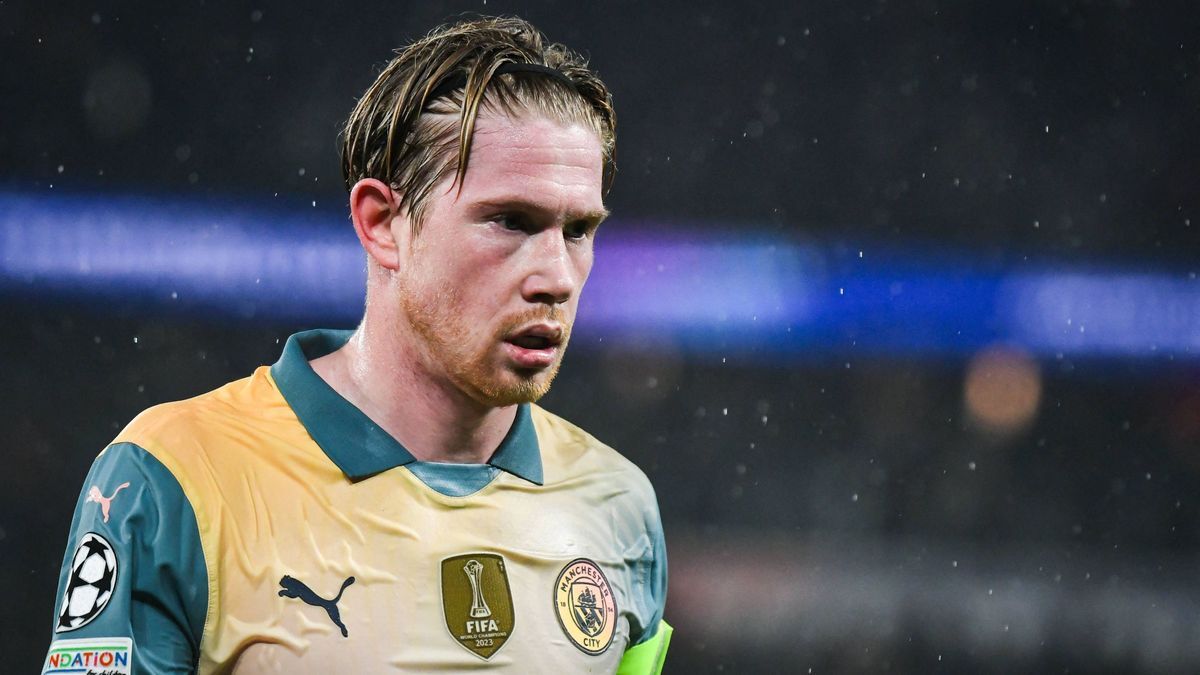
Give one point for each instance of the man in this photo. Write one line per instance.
(389, 500)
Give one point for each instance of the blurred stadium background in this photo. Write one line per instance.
(898, 309)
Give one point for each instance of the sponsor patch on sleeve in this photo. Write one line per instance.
(91, 656)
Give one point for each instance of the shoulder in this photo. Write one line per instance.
(192, 437)
(569, 452)
(179, 425)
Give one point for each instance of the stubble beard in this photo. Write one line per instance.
(438, 322)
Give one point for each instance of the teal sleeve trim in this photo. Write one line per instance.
(158, 594)
(650, 581)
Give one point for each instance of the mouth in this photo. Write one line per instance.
(535, 346)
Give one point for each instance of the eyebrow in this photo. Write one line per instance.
(525, 205)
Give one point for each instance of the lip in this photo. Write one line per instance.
(543, 357)
(550, 331)
(527, 358)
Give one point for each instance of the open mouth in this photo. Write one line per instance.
(539, 336)
(535, 346)
(533, 342)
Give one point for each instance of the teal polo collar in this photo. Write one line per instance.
(358, 446)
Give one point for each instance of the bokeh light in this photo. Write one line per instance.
(1002, 390)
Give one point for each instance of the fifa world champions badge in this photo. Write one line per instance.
(585, 606)
(477, 602)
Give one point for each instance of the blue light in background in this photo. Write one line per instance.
(736, 291)
(1104, 313)
(228, 259)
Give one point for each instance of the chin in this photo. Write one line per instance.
(512, 388)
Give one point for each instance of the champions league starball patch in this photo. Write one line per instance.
(90, 583)
(585, 606)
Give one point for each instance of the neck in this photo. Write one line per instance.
(381, 372)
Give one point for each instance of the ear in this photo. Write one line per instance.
(373, 208)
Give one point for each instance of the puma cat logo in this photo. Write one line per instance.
(294, 588)
(94, 495)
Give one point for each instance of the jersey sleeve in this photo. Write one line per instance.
(133, 588)
(649, 634)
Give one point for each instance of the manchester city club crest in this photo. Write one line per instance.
(585, 606)
(477, 602)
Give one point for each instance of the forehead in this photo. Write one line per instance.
(554, 165)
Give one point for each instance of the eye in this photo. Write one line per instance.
(512, 221)
(579, 229)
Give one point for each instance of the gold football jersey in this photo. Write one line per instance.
(276, 529)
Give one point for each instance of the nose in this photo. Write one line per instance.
(552, 276)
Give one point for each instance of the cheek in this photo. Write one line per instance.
(480, 280)
(583, 264)
(451, 264)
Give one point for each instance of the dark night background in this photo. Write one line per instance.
(819, 516)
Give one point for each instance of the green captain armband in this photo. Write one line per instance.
(647, 658)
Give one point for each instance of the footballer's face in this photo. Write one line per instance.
(491, 283)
